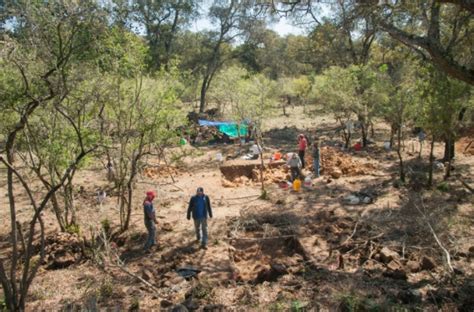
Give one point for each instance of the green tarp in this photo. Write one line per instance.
(231, 130)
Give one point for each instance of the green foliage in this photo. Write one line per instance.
(135, 304)
(203, 290)
(264, 195)
(73, 229)
(106, 289)
(296, 306)
(443, 187)
(3, 305)
(443, 98)
(105, 224)
(351, 302)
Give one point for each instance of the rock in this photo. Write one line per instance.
(62, 262)
(394, 265)
(179, 308)
(397, 274)
(427, 263)
(471, 251)
(387, 255)
(352, 200)
(190, 304)
(372, 265)
(166, 303)
(336, 173)
(147, 275)
(409, 296)
(279, 268)
(413, 266)
(214, 308)
(167, 227)
(271, 274)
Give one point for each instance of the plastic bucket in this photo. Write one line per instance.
(297, 185)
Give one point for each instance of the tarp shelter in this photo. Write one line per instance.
(227, 127)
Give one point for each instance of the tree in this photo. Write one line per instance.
(441, 31)
(162, 20)
(45, 43)
(143, 118)
(403, 96)
(57, 134)
(334, 89)
(444, 98)
(352, 91)
(233, 19)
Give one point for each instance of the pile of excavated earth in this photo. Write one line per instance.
(334, 164)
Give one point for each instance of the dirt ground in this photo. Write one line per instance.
(290, 251)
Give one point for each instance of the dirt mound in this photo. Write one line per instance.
(160, 171)
(336, 164)
(333, 163)
(62, 250)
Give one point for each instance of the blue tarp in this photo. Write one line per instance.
(203, 122)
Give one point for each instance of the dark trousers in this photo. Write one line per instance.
(295, 173)
(301, 154)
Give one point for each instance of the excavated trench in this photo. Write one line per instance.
(232, 170)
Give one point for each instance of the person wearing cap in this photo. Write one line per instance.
(150, 219)
(302, 144)
(294, 162)
(200, 208)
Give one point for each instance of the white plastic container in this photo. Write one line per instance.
(219, 157)
(308, 183)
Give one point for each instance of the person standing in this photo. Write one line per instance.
(150, 219)
(295, 166)
(316, 157)
(200, 208)
(302, 144)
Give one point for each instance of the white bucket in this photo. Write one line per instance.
(308, 182)
(219, 157)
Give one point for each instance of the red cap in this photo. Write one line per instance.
(150, 194)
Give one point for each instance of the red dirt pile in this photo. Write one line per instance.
(336, 164)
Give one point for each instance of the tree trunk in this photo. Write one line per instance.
(58, 213)
(364, 134)
(392, 135)
(13, 301)
(421, 149)
(430, 173)
(450, 145)
(202, 103)
(400, 158)
(448, 149)
(259, 144)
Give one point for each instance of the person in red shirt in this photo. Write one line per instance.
(302, 144)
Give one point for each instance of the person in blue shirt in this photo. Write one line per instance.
(316, 157)
(150, 219)
(200, 208)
